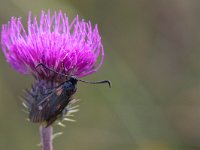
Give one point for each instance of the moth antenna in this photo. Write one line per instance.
(97, 82)
(41, 64)
(90, 82)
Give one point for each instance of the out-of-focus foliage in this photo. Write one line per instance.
(153, 60)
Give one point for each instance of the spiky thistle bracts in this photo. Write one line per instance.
(40, 109)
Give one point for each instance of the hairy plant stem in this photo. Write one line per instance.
(46, 137)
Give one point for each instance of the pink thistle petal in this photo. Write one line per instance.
(70, 48)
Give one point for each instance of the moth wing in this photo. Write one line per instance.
(41, 111)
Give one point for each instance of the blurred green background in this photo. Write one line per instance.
(152, 51)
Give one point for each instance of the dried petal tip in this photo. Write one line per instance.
(69, 48)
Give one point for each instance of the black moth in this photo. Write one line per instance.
(49, 106)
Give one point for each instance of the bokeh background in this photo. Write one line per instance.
(152, 57)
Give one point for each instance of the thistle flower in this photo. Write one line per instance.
(69, 48)
(72, 49)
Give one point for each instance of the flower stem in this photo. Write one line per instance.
(46, 137)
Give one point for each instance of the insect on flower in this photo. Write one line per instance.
(57, 53)
(53, 104)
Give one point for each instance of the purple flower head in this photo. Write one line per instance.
(69, 48)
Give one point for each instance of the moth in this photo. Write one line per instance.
(47, 107)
